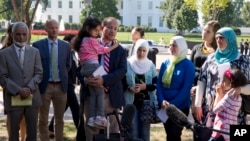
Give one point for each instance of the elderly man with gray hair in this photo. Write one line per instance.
(20, 73)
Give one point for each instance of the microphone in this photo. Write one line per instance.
(178, 117)
(126, 122)
(127, 116)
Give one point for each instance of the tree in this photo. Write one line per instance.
(245, 13)
(169, 7)
(185, 18)
(209, 8)
(21, 10)
(100, 9)
(237, 19)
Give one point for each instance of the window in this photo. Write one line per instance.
(49, 4)
(150, 21)
(49, 17)
(161, 19)
(138, 20)
(70, 18)
(150, 5)
(59, 4)
(121, 20)
(70, 4)
(59, 18)
(139, 5)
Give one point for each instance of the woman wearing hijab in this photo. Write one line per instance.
(174, 82)
(141, 81)
(225, 57)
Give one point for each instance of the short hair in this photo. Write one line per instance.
(20, 24)
(107, 20)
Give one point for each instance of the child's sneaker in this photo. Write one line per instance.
(91, 122)
(101, 121)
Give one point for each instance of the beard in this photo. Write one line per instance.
(19, 44)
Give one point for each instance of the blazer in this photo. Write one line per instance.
(64, 62)
(13, 77)
(117, 70)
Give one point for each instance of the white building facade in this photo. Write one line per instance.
(132, 12)
(68, 10)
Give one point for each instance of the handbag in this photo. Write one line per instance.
(149, 112)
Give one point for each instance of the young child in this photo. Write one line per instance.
(88, 49)
(227, 105)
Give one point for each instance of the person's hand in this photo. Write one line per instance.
(220, 89)
(115, 42)
(141, 85)
(24, 93)
(132, 90)
(235, 91)
(198, 113)
(164, 104)
(95, 81)
(193, 90)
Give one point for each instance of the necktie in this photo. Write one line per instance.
(53, 57)
(21, 58)
(106, 61)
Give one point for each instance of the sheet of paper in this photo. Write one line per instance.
(99, 71)
(16, 101)
(162, 115)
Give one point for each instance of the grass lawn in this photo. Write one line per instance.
(124, 37)
(157, 132)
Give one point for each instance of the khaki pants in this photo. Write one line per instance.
(55, 94)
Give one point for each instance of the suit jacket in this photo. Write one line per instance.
(64, 62)
(117, 70)
(73, 69)
(13, 77)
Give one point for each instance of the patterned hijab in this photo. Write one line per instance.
(182, 52)
(231, 51)
(140, 66)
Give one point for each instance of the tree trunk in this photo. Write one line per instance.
(15, 10)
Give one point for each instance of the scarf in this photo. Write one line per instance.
(140, 66)
(182, 52)
(231, 51)
(167, 76)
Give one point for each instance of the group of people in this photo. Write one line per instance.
(244, 47)
(46, 71)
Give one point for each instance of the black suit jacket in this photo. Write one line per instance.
(113, 80)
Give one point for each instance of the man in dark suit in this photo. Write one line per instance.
(20, 73)
(55, 55)
(114, 98)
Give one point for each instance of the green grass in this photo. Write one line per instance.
(157, 132)
(124, 37)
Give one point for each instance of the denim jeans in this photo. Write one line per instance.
(140, 129)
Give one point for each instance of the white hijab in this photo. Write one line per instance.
(140, 66)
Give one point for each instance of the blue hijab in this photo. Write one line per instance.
(231, 51)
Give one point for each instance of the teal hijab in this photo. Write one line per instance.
(231, 51)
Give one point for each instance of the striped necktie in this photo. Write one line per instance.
(106, 61)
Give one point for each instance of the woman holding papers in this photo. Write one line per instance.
(141, 81)
(174, 82)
